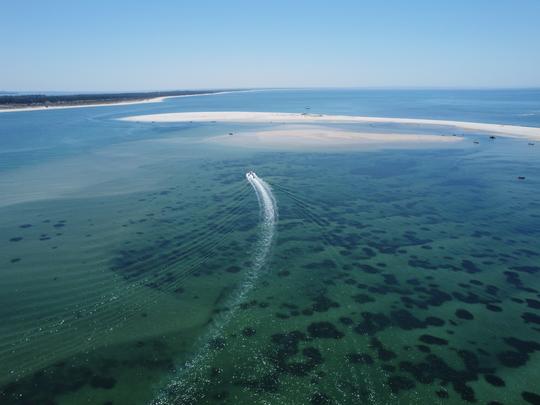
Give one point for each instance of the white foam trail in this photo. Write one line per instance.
(268, 207)
(181, 389)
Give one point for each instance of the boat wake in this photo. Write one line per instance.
(268, 207)
(189, 377)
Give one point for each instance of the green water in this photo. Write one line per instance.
(394, 276)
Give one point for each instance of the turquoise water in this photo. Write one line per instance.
(133, 269)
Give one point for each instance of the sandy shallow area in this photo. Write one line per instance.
(514, 131)
(316, 137)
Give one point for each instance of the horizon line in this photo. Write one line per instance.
(90, 92)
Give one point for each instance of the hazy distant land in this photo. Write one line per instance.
(24, 102)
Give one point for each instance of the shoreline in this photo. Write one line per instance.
(115, 103)
(513, 131)
(62, 107)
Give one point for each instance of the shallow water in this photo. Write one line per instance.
(393, 275)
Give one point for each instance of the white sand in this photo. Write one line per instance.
(271, 117)
(144, 101)
(290, 136)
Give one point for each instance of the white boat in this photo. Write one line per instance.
(250, 175)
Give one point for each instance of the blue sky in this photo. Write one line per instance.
(121, 45)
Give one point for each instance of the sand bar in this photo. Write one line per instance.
(515, 131)
(316, 136)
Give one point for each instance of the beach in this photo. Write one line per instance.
(514, 131)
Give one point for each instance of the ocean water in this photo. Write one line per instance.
(138, 264)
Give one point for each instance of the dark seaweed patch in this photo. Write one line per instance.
(513, 279)
(434, 321)
(529, 317)
(513, 359)
(383, 353)
(435, 297)
(398, 383)
(366, 268)
(217, 343)
(406, 321)
(286, 346)
(248, 332)
(321, 303)
(433, 340)
(232, 269)
(423, 348)
(179, 290)
(390, 279)
(324, 330)
(470, 298)
(369, 252)
(469, 266)
(523, 346)
(323, 265)
(531, 397)
(464, 314)
(494, 380)
(526, 269)
(531, 303)
(423, 264)
(359, 358)
(519, 356)
(362, 298)
(44, 386)
(267, 383)
(102, 382)
(319, 398)
(372, 323)
(442, 394)
(493, 308)
(346, 321)
(434, 368)
(313, 355)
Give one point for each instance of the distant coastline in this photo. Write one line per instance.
(31, 102)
